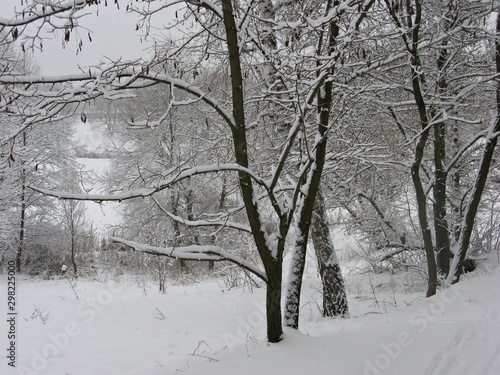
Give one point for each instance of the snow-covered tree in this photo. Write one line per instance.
(429, 74)
(29, 157)
(275, 188)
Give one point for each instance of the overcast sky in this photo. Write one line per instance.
(113, 36)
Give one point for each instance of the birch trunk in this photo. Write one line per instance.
(334, 296)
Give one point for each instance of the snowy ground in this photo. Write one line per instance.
(114, 328)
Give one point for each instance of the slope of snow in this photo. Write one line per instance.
(114, 328)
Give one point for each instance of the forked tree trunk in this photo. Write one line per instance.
(305, 209)
(271, 257)
(292, 307)
(334, 296)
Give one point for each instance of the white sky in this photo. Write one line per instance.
(113, 34)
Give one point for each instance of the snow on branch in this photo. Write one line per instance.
(193, 252)
(43, 10)
(148, 191)
(195, 91)
(117, 197)
(466, 148)
(204, 223)
(107, 82)
(212, 7)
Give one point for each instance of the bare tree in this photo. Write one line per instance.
(75, 221)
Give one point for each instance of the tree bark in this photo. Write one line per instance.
(441, 228)
(22, 226)
(456, 188)
(273, 304)
(334, 295)
(177, 230)
(73, 243)
(189, 196)
(222, 204)
(294, 286)
(439, 205)
(292, 307)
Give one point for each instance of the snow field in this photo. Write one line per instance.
(113, 328)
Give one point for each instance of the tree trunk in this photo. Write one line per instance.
(73, 250)
(334, 296)
(22, 224)
(412, 40)
(162, 273)
(273, 305)
(440, 174)
(294, 286)
(424, 227)
(439, 205)
(189, 197)
(22, 229)
(222, 204)
(456, 189)
(177, 230)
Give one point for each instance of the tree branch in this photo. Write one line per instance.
(193, 252)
